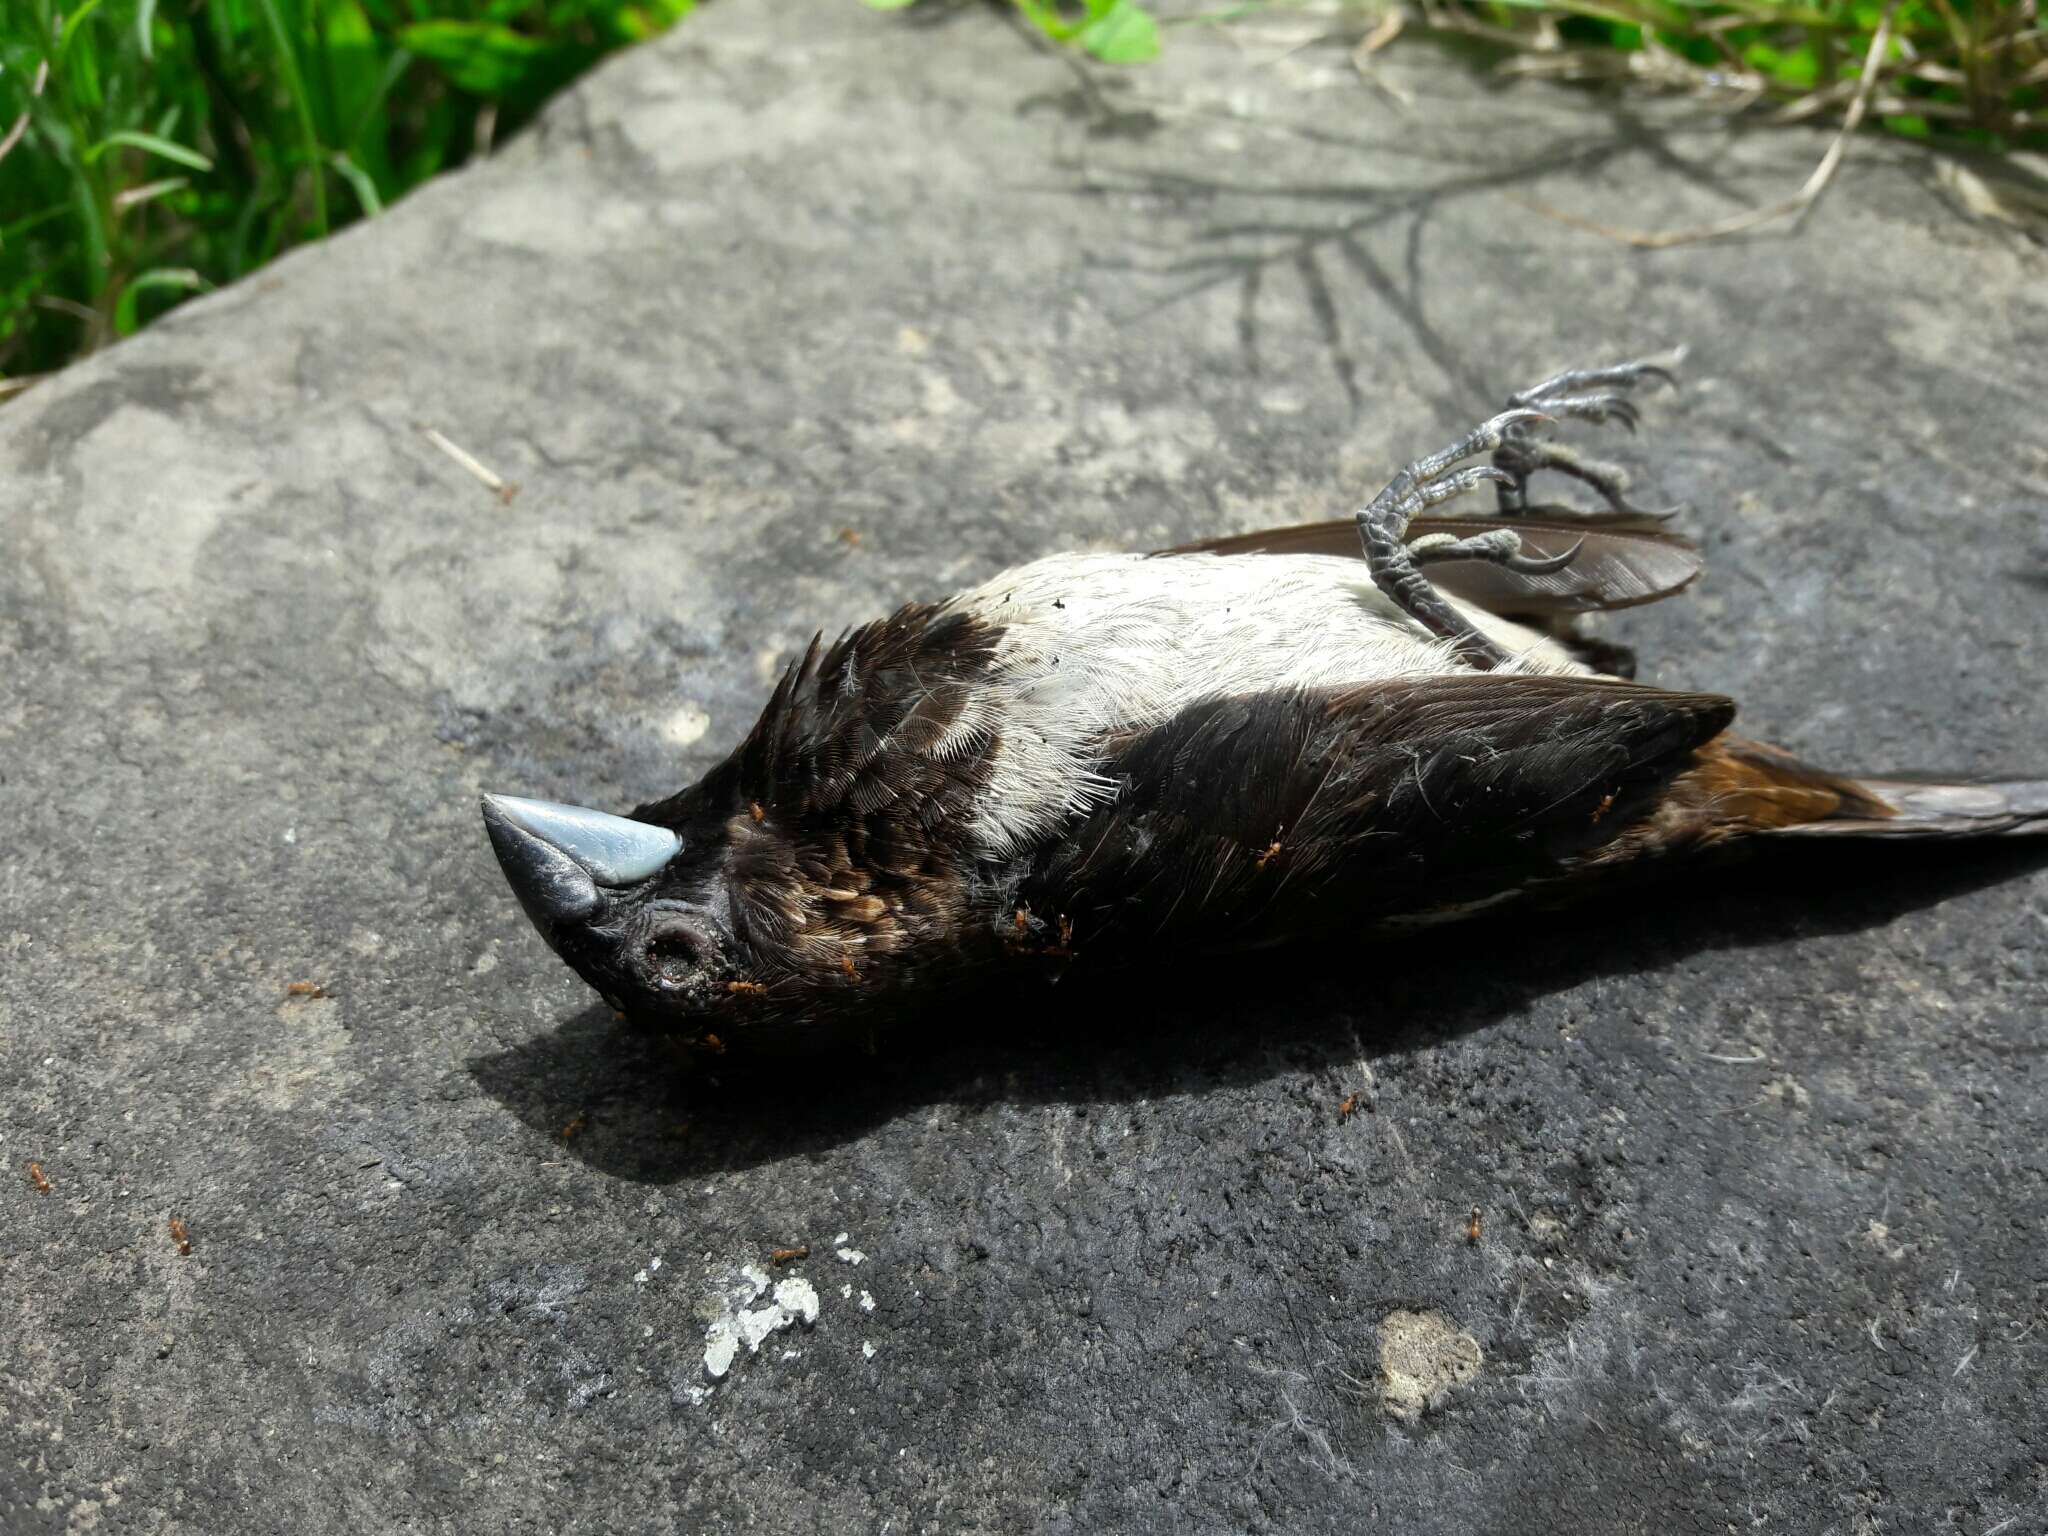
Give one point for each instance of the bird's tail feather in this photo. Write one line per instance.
(1762, 789)
(2013, 807)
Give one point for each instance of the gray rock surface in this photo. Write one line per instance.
(1760, 1169)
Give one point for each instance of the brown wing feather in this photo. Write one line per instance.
(1621, 565)
(1246, 820)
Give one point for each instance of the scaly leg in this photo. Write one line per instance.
(1582, 394)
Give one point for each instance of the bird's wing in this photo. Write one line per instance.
(1244, 820)
(1620, 566)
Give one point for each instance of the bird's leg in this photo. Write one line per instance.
(1581, 394)
(1593, 394)
(1383, 528)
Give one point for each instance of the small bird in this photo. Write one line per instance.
(1347, 727)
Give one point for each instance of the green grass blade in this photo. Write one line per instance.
(134, 138)
(359, 180)
(394, 71)
(156, 278)
(72, 23)
(302, 108)
(23, 225)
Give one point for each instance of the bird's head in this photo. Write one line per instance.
(630, 905)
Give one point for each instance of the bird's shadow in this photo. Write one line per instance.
(624, 1104)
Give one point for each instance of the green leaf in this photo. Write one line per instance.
(1045, 16)
(145, 14)
(136, 139)
(481, 57)
(1122, 33)
(1796, 67)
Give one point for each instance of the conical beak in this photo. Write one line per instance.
(556, 857)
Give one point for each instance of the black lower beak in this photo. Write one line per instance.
(552, 887)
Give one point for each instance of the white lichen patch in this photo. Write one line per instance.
(1422, 1356)
(851, 1256)
(867, 1302)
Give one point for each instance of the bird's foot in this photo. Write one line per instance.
(1597, 395)
(1590, 394)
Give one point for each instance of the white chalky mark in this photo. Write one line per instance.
(799, 1298)
(795, 1301)
(721, 1343)
(846, 1293)
(686, 727)
(852, 1256)
(867, 1302)
(757, 1324)
(867, 1349)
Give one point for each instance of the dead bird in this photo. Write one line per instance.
(1348, 726)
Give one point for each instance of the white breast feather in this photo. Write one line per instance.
(1099, 643)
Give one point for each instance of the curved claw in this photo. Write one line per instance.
(1618, 376)
(1532, 565)
(1520, 416)
(1599, 408)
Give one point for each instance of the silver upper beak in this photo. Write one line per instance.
(614, 849)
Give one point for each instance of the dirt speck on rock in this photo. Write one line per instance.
(1422, 1356)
